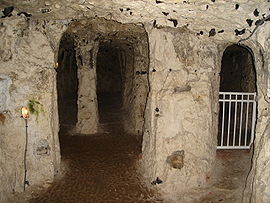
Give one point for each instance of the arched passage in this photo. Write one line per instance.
(67, 84)
(102, 84)
(236, 122)
(237, 70)
(237, 99)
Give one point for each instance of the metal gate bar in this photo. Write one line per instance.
(236, 120)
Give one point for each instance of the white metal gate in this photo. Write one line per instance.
(237, 119)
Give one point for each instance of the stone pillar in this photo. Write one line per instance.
(87, 97)
(179, 114)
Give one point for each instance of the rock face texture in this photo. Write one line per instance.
(175, 58)
(181, 108)
(26, 74)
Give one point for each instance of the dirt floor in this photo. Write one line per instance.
(232, 168)
(102, 168)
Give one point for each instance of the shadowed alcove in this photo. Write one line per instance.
(109, 82)
(237, 99)
(237, 70)
(237, 118)
(67, 84)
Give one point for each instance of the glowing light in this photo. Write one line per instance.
(25, 112)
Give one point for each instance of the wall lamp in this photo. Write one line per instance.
(25, 116)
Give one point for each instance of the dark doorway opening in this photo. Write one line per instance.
(236, 123)
(237, 70)
(67, 84)
(237, 99)
(102, 166)
(109, 83)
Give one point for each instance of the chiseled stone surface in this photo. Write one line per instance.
(5, 82)
(182, 119)
(258, 189)
(186, 43)
(31, 76)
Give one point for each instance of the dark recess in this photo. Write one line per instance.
(175, 22)
(212, 32)
(249, 22)
(7, 11)
(239, 32)
(256, 12)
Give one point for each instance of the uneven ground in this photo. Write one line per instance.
(102, 168)
(114, 178)
(229, 180)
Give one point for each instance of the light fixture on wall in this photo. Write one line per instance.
(25, 116)
(25, 112)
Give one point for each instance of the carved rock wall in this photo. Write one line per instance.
(27, 73)
(186, 42)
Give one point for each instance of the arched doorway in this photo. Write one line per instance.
(111, 68)
(237, 99)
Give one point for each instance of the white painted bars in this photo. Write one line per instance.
(237, 120)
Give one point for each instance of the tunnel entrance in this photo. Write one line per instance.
(237, 99)
(67, 84)
(236, 124)
(102, 85)
(103, 72)
(109, 83)
(122, 83)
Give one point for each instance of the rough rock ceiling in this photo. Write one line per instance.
(210, 17)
